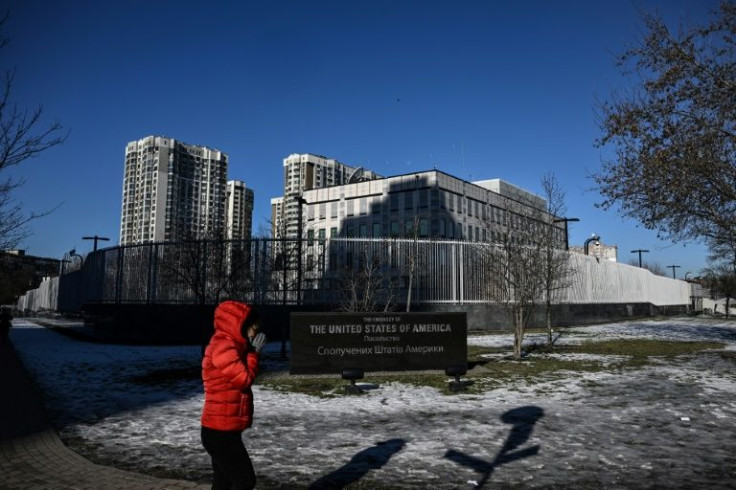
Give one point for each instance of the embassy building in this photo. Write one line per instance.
(426, 205)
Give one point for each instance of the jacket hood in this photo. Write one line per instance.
(229, 316)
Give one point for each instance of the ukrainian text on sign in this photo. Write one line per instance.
(331, 342)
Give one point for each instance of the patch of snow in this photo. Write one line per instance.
(585, 425)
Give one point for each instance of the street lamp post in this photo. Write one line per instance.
(300, 202)
(594, 238)
(566, 220)
(96, 239)
(673, 267)
(61, 265)
(640, 251)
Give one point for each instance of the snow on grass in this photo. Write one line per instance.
(625, 423)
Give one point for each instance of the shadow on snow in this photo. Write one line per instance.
(366, 460)
(522, 420)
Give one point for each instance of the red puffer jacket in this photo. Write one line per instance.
(228, 371)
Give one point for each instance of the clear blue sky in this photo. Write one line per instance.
(479, 89)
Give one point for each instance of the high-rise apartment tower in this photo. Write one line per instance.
(172, 190)
(239, 211)
(303, 172)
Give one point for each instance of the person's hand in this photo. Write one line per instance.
(258, 342)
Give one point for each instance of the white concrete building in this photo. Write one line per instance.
(171, 189)
(429, 204)
(239, 212)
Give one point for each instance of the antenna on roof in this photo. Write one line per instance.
(462, 156)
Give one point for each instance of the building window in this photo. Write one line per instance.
(423, 227)
(435, 196)
(394, 229)
(376, 230)
(423, 198)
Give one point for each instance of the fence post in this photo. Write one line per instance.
(203, 277)
(255, 280)
(103, 274)
(119, 276)
(453, 269)
(153, 274)
(462, 273)
(265, 279)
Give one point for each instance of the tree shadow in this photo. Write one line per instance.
(366, 460)
(522, 420)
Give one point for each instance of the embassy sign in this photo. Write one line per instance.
(327, 343)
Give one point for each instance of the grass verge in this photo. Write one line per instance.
(495, 366)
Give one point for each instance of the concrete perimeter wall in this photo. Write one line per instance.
(612, 282)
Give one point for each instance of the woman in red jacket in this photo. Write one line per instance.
(229, 368)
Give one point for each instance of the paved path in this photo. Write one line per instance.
(33, 457)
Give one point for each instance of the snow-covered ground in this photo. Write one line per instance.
(670, 424)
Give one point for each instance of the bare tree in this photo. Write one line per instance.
(517, 272)
(22, 137)
(721, 279)
(208, 267)
(654, 267)
(370, 286)
(674, 134)
(558, 270)
(412, 257)
(720, 275)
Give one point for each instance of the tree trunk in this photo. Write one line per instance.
(549, 320)
(518, 331)
(728, 305)
(408, 292)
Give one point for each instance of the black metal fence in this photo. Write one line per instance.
(355, 274)
(268, 271)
